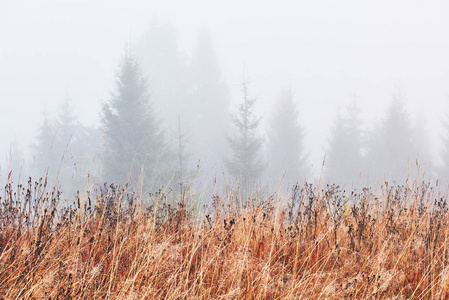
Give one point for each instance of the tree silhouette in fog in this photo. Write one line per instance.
(246, 144)
(67, 139)
(166, 67)
(286, 141)
(135, 141)
(392, 148)
(44, 160)
(344, 154)
(67, 124)
(64, 149)
(208, 103)
(75, 147)
(192, 89)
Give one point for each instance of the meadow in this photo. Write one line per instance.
(320, 242)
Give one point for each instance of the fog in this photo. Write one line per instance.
(327, 55)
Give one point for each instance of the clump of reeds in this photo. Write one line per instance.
(319, 243)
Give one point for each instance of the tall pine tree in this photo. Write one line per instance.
(392, 149)
(246, 144)
(45, 161)
(207, 110)
(344, 162)
(166, 66)
(67, 138)
(67, 124)
(286, 141)
(135, 142)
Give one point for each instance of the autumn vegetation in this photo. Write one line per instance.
(319, 242)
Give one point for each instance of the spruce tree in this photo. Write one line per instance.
(44, 157)
(286, 141)
(88, 154)
(391, 148)
(166, 65)
(246, 144)
(207, 109)
(67, 124)
(344, 163)
(66, 142)
(421, 144)
(135, 142)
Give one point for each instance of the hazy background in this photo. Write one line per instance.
(328, 52)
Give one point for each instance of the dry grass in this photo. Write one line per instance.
(320, 243)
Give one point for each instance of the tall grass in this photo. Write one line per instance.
(318, 243)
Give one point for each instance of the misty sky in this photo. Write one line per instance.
(328, 52)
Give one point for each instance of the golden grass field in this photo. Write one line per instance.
(317, 243)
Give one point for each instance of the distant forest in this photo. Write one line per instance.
(168, 121)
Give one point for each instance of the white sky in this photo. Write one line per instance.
(328, 51)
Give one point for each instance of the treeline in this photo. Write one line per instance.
(394, 149)
(168, 120)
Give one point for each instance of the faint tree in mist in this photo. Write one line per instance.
(76, 147)
(135, 141)
(166, 66)
(87, 153)
(44, 154)
(52, 148)
(422, 155)
(67, 138)
(192, 88)
(207, 115)
(344, 154)
(286, 141)
(64, 149)
(182, 154)
(393, 146)
(246, 144)
(67, 122)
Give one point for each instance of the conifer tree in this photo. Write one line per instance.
(88, 149)
(65, 146)
(181, 153)
(286, 141)
(391, 148)
(135, 141)
(166, 66)
(344, 163)
(246, 144)
(421, 144)
(45, 162)
(67, 124)
(207, 108)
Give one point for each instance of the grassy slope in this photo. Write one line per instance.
(318, 244)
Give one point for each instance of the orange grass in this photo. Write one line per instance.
(318, 243)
